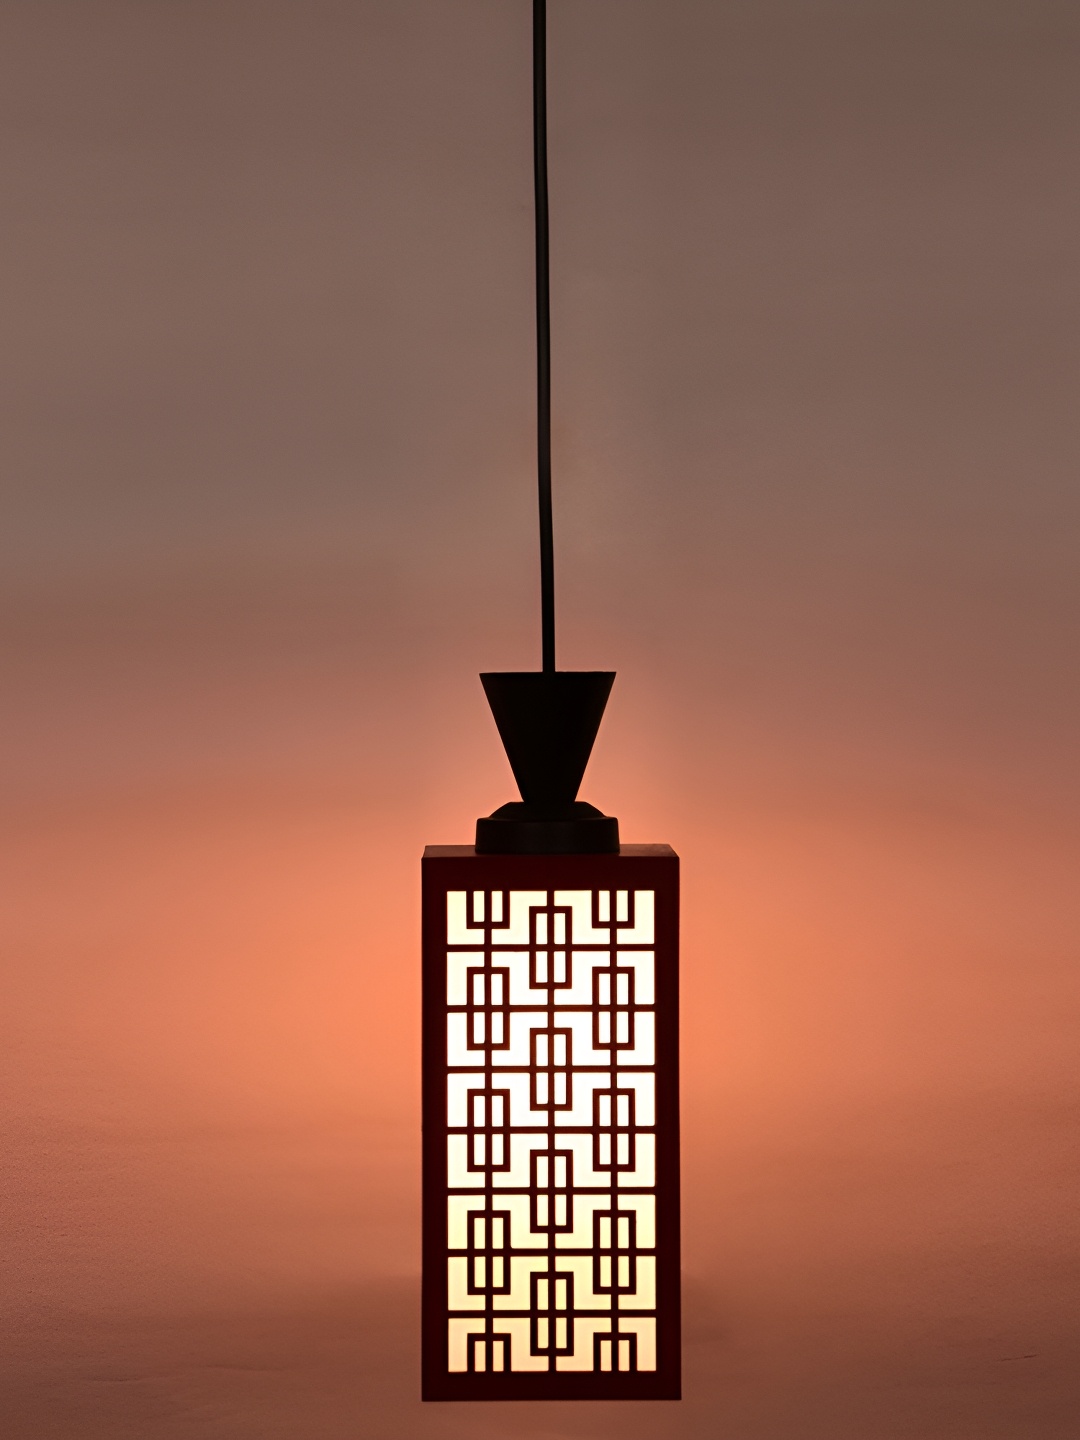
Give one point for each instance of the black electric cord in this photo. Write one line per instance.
(543, 337)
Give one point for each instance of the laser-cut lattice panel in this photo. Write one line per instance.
(551, 1223)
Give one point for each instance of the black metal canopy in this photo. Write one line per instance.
(548, 719)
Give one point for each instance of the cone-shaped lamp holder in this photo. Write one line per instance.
(548, 721)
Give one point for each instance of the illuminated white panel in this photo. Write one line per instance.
(595, 1126)
(580, 1024)
(645, 1205)
(522, 1114)
(644, 1087)
(581, 1236)
(458, 1051)
(581, 1147)
(517, 1207)
(522, 1235)
(644, 967)
(459, 1333)
(457, 974)
(519, 1328)
(583, 1086)
(643, 930)
(520, 1293)
(457, 1218)
(581, 1267)
(457, 1286)
(458, 930)
(645, 1173)
(580, 989)
(517, 1177)
(585, 1330)
(582, 932)
(516, 930)
(644, 1297)
(645, 1330)
(458, 1174)
(458, 1086)
(644, 1048)
(519, 1050)
(521, 991)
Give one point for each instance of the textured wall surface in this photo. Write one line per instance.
(265, 461)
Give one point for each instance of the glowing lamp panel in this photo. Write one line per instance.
(551, 1204)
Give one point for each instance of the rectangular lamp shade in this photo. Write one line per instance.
(551, 1125)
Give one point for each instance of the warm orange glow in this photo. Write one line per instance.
(268, 510)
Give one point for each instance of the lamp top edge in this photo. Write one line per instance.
(499, 674)
(625, 852)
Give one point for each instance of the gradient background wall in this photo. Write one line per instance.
(266, 455)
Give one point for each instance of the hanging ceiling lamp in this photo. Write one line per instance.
(550, 1036)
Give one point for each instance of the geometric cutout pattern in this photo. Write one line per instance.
(551, 1140)
(550, 1102)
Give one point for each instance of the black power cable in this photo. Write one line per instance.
(543, 337)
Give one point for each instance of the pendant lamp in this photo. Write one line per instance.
(550, 1043)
